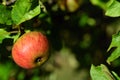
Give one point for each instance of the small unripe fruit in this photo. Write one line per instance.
(69, 5)
(30, 50)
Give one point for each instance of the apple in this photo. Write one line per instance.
(30, 50)
(69, 5)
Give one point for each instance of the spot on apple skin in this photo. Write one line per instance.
(38, 60)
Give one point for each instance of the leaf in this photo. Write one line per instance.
(101, 3)
(114, 9)
(116, 76)
(115, 43)
(5, 15)
(5, 71)
(4, 34)
(100, 73)
(25, 10)
(98, 3)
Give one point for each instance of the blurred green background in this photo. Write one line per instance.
(79, 34)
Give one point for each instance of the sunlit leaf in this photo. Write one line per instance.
(101, 3)
(116, 76)
(100, 73)
(4, 34)
(98, 3)
(114, 9)
(25, 10)
(115, 43)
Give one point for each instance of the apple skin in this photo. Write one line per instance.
(30, 50)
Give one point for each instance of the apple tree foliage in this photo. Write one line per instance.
(19, 13)
(11, 16)
(101, 72)
(15, 13)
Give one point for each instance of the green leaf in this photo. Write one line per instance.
(115, 43)
(21, 75)
(114, 9)
(101, 3)
(100, 73)
(116, 76)
(98, 3)
(5, 15)
(4, 34)
(25, 10)
(5, 71)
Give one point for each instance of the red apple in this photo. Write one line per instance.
(30, 50)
